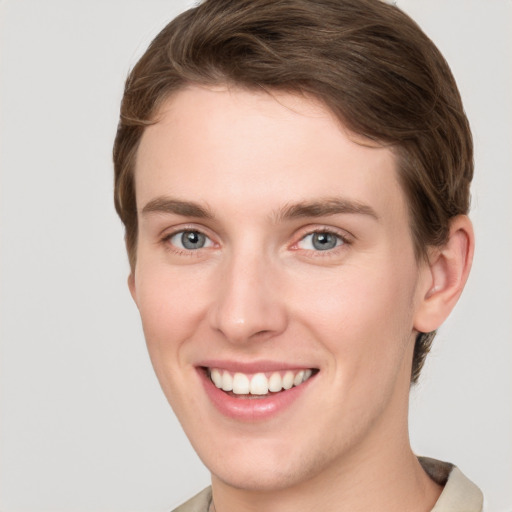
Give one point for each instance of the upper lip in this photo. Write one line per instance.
(252, 366)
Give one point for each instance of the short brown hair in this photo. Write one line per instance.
(366, 60)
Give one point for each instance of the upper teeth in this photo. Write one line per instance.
(259, 383)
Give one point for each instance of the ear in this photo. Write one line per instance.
(132, 288)
(445, 275)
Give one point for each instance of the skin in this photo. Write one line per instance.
(259, 290)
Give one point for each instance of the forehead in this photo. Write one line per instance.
(215, 144)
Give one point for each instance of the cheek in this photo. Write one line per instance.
(363, 315)
(169, 301)
(170, 309)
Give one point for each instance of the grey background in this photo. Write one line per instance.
(83, 423)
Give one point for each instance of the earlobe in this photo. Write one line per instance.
(446, 275)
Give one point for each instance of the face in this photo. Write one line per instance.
(277, 284)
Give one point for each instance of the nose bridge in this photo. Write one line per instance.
(247, 304)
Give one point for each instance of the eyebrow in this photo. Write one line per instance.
(317, 208)
(324, 207)
(178, 207)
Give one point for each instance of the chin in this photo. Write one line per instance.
(259, 479)
(267, 467)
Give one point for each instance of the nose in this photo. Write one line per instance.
(249, 304)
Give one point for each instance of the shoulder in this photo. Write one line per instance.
(199, 503)
(459, 494)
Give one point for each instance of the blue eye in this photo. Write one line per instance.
(320, 241)
(190, 240)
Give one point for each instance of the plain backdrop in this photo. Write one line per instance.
(84, 425)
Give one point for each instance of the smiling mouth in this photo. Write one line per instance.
(258, 385)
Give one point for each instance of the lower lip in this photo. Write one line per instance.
(251, 409)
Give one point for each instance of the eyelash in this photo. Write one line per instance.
(345, 241)
(166, 240)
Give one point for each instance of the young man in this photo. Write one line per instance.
(294, 181)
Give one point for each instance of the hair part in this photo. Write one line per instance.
(366, 60)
